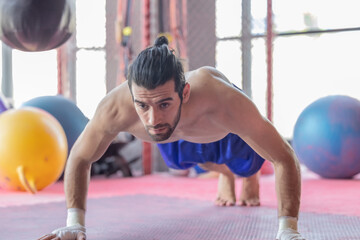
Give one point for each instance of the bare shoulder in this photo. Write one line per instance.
(219, 91)
(207, 75)
(212, 94)
(210, 81)
(115, 112)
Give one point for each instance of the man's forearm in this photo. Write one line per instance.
(76, 181)
(288, 187)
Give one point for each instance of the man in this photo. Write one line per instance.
(197, 112)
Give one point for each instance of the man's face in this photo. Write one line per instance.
(158, 109)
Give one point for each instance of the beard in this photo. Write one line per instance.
(169, 129)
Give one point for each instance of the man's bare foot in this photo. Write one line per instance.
(250, 191)
(226, 190)
(226, 183)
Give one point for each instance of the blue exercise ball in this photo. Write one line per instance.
(327, 137)
(65, 111)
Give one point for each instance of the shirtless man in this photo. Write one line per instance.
(200, 111)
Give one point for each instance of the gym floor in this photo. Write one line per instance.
(162, 206)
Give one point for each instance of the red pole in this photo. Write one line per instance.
(146, 152)
(269, 51)
(146, 24)
(178, 27)
(173, 23)
(59, 71)
(118, 34)
(184, 30)
(267, 167)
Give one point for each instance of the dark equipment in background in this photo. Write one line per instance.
(36, 25)
(112, 161)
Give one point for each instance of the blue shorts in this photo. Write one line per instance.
(231, 150)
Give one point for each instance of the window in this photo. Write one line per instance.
(90, 57)
(307, 66)
(35, 73)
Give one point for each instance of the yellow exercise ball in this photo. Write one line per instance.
(33, 149)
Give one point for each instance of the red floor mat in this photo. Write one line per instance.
(145, 217)
(157, 206)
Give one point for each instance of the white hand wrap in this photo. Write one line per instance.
(74, 225)
(288, 229)
(69, 233)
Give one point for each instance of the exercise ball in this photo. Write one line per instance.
(327, 137)
(33, 149)
(36, 25)
(65, 111)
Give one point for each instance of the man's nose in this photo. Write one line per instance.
(154, 117)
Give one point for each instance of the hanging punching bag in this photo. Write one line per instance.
(36, 25)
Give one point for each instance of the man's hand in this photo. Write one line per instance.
(74, 229)
(76, 232)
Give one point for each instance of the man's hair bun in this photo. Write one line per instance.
(161, 41)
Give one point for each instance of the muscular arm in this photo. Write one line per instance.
(239, 115)
(114, 114)
(245, 120)
(90, 146)
(267, 142)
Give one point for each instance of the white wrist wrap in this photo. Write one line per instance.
(286, 223)
(75, 216)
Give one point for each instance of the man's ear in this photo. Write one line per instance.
(186, 92)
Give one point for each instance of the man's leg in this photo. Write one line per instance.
(226, 183)
(226, 187)
(250, 191)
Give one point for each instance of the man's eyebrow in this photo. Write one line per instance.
(160, 101)
(164, 100)
(137, 101)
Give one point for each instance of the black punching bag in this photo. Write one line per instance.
(36, 25)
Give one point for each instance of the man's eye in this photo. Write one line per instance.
(142, 106)
(164, 105)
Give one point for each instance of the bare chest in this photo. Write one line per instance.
(204, 129)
